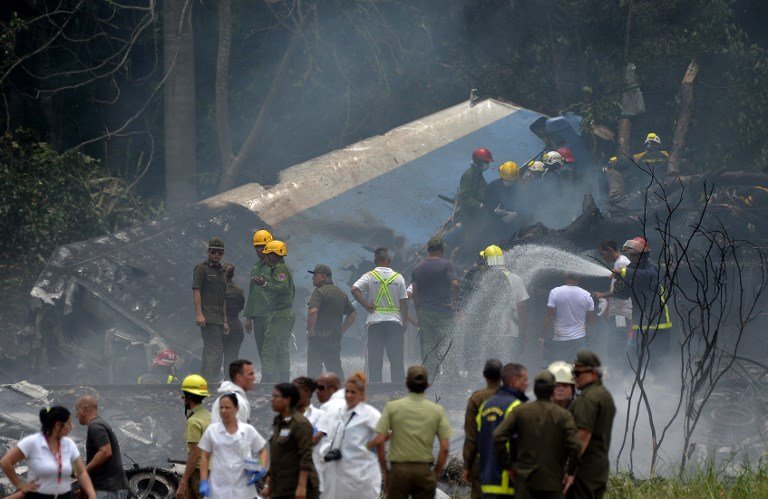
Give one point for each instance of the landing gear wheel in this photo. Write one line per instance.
(151, 483)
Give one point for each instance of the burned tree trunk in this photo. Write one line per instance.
(684, 120)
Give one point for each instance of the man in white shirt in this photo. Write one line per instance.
(617, 328)
(382, 292)
(242, 378)
(569, 310)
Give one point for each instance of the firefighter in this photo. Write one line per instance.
(653, 159)
(640, 281)
(256, 313)
(501, 195)
(162, 369)
(278, 284)
(494, 478)
(473, 186)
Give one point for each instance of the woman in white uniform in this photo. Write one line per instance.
(353, 471)
(225, 446)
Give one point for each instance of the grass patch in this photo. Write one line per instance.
(744, 482)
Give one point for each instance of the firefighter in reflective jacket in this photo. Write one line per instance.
(494, 479)
(653, 158)
(640, 281)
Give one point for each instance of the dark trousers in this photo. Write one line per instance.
(586, 489)
(231, 343)
(259, 329)
(385, 335)
(213, 352)
(437, 349)
(565, 350)
(193, 487)
(416, 480)
(35, 495)
(324, 351)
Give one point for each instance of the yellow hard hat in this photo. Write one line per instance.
(509, 171)
(196, 385)
(261, 237)
(652, 137)
(562, 372)
(491, 250)
(277, 247)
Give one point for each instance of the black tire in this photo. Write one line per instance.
(163, 487)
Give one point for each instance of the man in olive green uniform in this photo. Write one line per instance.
(546, 444)
(327, 307)
(194, 389)
(492, 375)
(256, 312)
(414, 422)
(209, 291)
(593, 412)
(278, 284)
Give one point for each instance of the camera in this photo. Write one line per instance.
(332, 455)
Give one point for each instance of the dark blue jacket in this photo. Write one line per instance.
(493, 478)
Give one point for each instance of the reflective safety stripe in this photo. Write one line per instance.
(384, 293)
(505, 488)
(667, 324)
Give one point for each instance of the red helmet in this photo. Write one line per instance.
(637, 244)
(482, 154)
(165, 358)
(567, 154)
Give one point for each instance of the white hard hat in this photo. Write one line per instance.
(562, 372)
(552, 158)
(536, 166)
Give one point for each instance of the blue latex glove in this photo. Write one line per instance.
(205, 488)
(314, 430)
(255, 476)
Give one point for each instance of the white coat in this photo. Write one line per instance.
(228, 478)
(356, 475)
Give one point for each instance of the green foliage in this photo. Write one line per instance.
(742, 481)
(45, 197)
(50, 199)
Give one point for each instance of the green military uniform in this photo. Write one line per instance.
(231, 342)
(290, 451)
(198, 419)
(593, 411)
(469, 451)
(324, 348)
(472, 192)
(414, 423)
(257, 307)
(276, 360)
(546, 443)
(211, 280)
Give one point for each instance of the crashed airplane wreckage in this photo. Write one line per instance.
(103, 307)
(106, 305)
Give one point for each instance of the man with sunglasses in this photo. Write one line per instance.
(593, 412)
(209, 291)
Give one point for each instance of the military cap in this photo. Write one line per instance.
(546, 377)
(435, 244)
(587, 359)
(216, 243)
(417, 374)
(321, 269)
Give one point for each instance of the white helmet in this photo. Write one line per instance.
(536, 167)
(562, 372)
(552, 158)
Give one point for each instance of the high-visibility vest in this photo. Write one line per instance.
(492, 416)
(384, 294)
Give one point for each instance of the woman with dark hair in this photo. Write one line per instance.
(229, 449)
(307, 387)
(51, 457)
(292, 472)
(355, 474)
